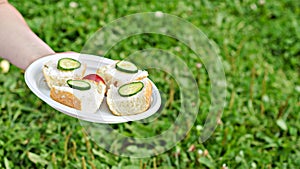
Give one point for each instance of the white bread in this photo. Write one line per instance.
(135, 104)
(56, 77)
(112, 76)
(88, 101)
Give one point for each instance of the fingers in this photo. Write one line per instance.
(3, 1)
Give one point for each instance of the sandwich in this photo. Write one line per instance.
(84, 95)
(120, 72)
(57, 72)
(131, 98)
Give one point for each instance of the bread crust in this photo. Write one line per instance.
(48, 80)
(65, 98)
(148, 95)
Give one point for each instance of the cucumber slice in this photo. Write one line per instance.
(68, 64)
(79, 84)
(126, 67)
(130, 89)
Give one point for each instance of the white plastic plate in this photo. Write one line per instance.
(35, 80)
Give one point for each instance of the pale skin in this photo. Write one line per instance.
(18, 44)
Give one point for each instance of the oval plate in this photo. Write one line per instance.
(36, 82)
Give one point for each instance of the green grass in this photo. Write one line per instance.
(259, 47)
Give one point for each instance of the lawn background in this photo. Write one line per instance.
(258, 43)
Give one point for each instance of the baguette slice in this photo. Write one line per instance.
(88, 101)
(131, 105)
(112, 76)
(56, 77)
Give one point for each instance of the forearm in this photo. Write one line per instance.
(18, 43)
